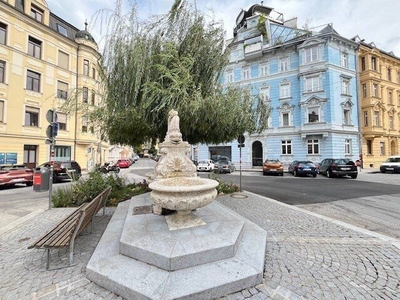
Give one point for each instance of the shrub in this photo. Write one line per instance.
(88, 188)
(223, 187)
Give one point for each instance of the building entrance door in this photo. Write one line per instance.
(257, 153)
(30, 156)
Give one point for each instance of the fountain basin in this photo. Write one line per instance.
(183, 194)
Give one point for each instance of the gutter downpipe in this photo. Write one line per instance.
(359, 111)
(76, 100)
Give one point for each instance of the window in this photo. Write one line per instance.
(285, 119)
(369, 147)
(34, 47)
(398, 77)
(229, 77)
(390, 97)
(365, 118)
(2, 71)
(36, 13)
(84, 124)
(86, 67)
(313, 84)
(3, 33)
(62, 121)
(31, 116)
(264, 69)
(376, 118)
(345, 87)
(62, 30)
(284, 64)
(287, 147)
(285, 115)
(91, 129)
(364, 90)
(311, 55)
(391, 123)
(373, 63)
(93, 97)
(1, 111)
(347, 146)
(389, 74)
(375, 90)
(62, 90)
(246, 73)
(264, 93)
(382, 147)
(313, 114)
(33, 81)
(94, 73)
(85, 94)
(313, 146)
(344, 60)
(63, 60)
(346, 116)
(363, 64)
(284, 90)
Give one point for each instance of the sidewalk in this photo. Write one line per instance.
(307, 257)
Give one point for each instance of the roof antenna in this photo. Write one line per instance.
(86, 24)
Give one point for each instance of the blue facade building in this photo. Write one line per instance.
(308, 79)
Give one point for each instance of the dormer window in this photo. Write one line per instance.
(62, 30)
(37, 13)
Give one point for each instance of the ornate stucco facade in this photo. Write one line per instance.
(379, 93)
(44, 62)
(309, 80)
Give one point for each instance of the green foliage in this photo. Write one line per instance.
(85, 190)
(223, 187)
(172, 61)
(261, 26)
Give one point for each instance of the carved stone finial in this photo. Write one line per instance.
(174, 132)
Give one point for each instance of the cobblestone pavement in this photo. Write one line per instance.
(307, 257)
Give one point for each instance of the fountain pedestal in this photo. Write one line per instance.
(139, 257)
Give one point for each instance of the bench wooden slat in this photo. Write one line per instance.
(68, 222)
(65, 232)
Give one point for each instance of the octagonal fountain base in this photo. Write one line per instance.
(138, 257)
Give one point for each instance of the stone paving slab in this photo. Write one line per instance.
(307, 257)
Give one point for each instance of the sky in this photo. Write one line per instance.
(372, 20)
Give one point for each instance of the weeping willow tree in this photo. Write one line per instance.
(172, 61)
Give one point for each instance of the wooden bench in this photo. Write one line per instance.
(63, 234)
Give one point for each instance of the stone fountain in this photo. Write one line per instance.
(176, 185)
(202, 251)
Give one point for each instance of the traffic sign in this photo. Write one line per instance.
(241, 139)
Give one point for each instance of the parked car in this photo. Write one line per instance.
(123, 163)
(303, 167)
(206, 165)
(216, 158)
(224, 166)
(392, 164)
(13, 174)
(64, 170)
(331, 167)
(272, 166)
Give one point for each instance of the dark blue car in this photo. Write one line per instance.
(303, 168)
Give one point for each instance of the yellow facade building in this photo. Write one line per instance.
(45, 62)
(379, 94)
